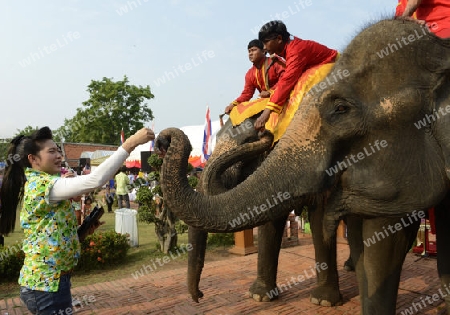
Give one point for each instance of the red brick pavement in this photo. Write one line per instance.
(225, 284)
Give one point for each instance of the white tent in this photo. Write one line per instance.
(195, 135)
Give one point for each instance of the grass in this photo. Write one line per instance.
(136, 257)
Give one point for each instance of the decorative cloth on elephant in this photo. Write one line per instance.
(436, 13)
(278, 122)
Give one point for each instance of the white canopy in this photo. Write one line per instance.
(195, 135)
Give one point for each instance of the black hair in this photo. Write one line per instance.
(273, 29)
(11, 192)
(88, 198)
(255, 43)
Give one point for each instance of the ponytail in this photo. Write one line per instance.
(11, 192)
(12, 189)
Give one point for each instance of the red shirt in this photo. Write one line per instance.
(257, 79)
(436, 14)
(300, 55)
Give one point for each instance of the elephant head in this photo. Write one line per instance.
(357, 136)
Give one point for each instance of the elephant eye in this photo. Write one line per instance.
(340, 106)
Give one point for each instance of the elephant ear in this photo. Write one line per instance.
(437, 59)
(438, 117)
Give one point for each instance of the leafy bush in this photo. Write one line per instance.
(220, 239)
(97, 250)
(11, 261)
(193, 181)
(147, 206)
(104, 248)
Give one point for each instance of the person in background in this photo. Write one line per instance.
(108, 198)
(87, 207)
(112, 184)
(262, 76)
(122, 182)
(51, 244)
(131, 177)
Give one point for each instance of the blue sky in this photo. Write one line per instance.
(191, 53)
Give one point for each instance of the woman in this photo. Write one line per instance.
(51, 243)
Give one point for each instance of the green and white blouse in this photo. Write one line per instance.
(51, 242)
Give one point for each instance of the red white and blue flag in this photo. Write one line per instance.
(207, 138)
(122, 137)
(152, 143)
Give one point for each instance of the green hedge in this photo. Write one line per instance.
(97, 250)
(11, 261)
(220, 239)
(100, 249)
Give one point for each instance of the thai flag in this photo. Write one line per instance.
(207, 145)
(152, 143)
(122, 137)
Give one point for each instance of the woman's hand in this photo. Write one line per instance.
(142, 136)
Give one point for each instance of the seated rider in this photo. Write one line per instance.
(262, 76)
(435, 13)
(300, 55)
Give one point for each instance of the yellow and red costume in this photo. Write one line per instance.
(307, 63)
(436, 13)
(300, 55)
(258, 78)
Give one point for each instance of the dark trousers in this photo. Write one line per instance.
(110, 204)
(122, 198)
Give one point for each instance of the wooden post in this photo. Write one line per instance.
(290, 235)
(243, 243)
(341, 236)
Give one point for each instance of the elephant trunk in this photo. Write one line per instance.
(268, 194)
(218, 164)
(196, 261)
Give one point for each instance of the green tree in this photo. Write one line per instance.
(4, 145)
(28, 130)
(111, 107)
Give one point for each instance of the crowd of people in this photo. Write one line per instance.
(50, 209)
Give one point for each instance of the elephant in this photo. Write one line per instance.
(372, 145)
(236, 156)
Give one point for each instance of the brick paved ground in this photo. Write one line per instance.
(225, 284)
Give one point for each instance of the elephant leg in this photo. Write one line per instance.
(382, 251)
(442, 216)
(326, 293)
(196, 260)
(264, 288)
(348, 265)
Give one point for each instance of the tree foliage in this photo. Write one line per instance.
(111, 107)
(4, 146)
(28, 130)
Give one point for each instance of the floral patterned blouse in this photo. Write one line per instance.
(51, 242)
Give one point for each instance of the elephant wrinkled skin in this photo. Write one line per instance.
(238, 152)
(356, 143)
